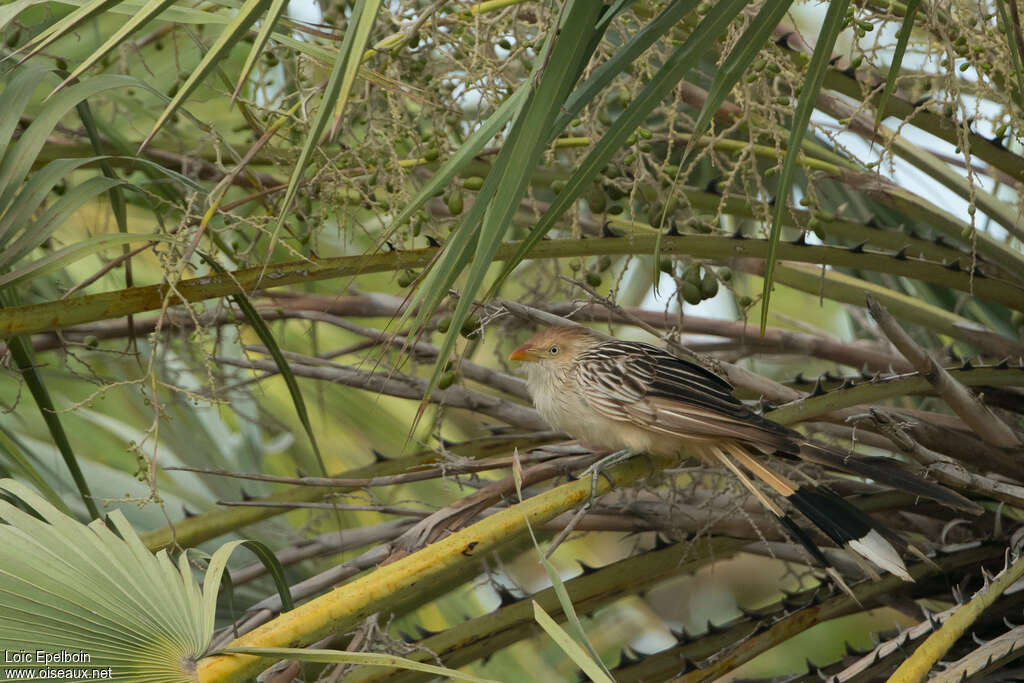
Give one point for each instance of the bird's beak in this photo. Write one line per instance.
(522, 353)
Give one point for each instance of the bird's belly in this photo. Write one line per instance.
(596, 431)
(567, 411)
(618, 435)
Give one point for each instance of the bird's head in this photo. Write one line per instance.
(554, 346)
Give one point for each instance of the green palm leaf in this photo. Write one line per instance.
(475, 243)
(834, 21)
(102, 595)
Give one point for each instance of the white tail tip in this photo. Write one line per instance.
(874, 547)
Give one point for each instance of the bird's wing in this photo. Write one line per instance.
(644, 385)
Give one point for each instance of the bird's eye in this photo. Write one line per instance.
(553, 350)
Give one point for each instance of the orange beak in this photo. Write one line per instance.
(522, 353)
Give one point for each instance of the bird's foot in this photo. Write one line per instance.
(601, 467)
(598, 469)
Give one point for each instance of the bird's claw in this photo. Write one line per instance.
(601, 467)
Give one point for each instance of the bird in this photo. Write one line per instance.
(634, 397)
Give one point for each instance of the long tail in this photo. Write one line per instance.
(845, 524)
(886, 471)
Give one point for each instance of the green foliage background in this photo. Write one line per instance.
(234, 240)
